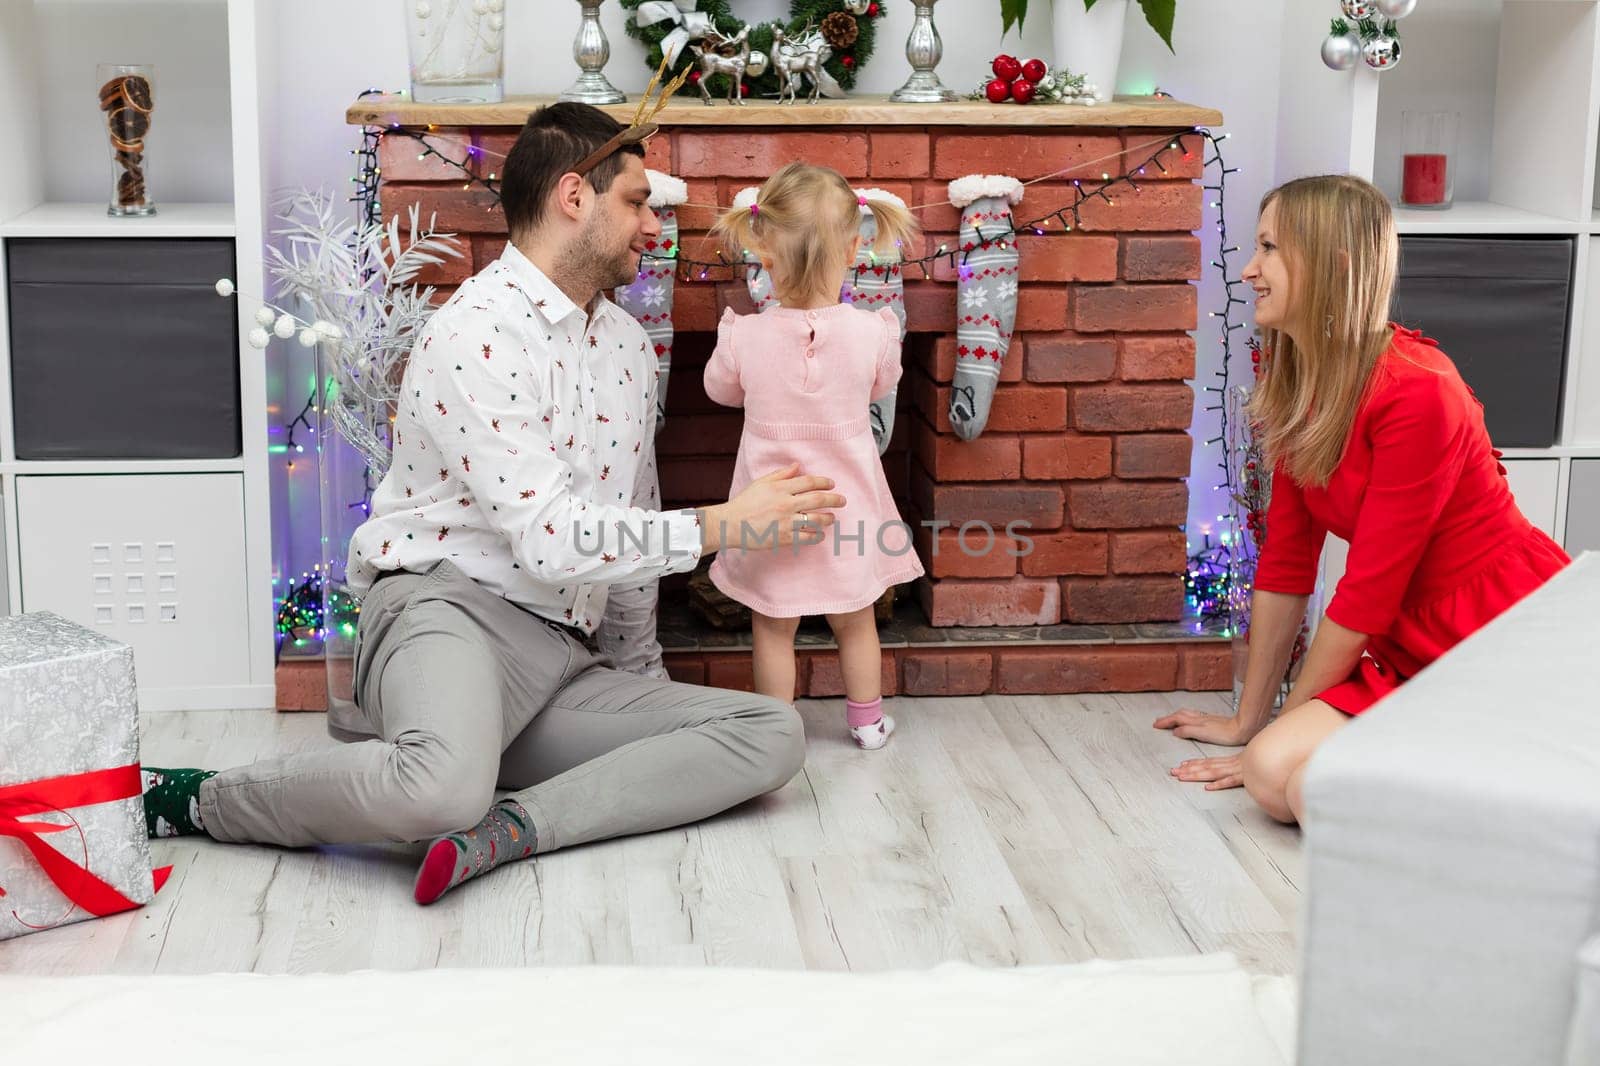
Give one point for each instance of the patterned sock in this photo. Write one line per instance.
(986, 293)
(876, 282)
(506, 834)
(172, 801)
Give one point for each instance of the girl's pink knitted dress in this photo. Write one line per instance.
(804, 379)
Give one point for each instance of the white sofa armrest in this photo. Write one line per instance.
(1453, 850)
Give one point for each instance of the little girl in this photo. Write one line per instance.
(805, 372)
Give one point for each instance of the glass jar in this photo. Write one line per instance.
(1427, 162)
(346, 411)
(127, 99)
(457, 50)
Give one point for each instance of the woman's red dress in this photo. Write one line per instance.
(1437, 545)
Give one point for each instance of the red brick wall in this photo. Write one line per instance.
(1086, 439)
(1020, 670)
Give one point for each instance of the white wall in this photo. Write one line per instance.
(320, 73)
(1218, 63)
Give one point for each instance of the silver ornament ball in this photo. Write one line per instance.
(1357, 9)
(1341, 51)
(857, 7)
(1396, 9)
(1381, 52)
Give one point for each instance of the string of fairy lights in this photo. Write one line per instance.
(1064, 219)
(1209, 571)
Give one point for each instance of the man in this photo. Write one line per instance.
(518, 517)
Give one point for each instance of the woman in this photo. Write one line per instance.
(1374, 437)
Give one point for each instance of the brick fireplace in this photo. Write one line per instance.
(1087, 440)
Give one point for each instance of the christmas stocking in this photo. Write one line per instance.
(649, 298)
(986, 294)
(877, 282)
(757, 279)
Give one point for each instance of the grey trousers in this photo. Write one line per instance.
(460, 692)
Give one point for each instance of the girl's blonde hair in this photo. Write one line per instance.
(802, 223)
(1338, 238)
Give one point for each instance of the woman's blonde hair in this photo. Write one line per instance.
(1338, 238)
(802, 223)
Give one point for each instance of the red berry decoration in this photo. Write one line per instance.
(848, 61)
(998, 91)
(1022, 91)
(1007, 68)
(1034, 70)
(872, 11)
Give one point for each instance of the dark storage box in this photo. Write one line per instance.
(1498, 306)
(122, 349)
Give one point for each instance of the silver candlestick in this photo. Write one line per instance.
(924, 49)
(592, 51)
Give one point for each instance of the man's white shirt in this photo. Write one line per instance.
(524, 453)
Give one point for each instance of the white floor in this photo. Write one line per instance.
(996, 830)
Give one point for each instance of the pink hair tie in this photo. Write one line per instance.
(755, 209)
(862, 200)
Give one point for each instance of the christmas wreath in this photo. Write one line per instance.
(671, 27)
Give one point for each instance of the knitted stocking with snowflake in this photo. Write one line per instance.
(649, 298)
(986, 294)
(877, 282)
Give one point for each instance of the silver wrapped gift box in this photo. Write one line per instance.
(72, 831)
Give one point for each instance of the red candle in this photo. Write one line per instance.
(1424, 181)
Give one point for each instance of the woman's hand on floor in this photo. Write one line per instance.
(1226, 771)
(1218, 773)
(1207, 728)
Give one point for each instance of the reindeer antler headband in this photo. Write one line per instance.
(643, 126)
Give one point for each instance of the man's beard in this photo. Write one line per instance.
(606, 267)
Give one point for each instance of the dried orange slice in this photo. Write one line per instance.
(129, 124)
(112, 94)
(138, 92)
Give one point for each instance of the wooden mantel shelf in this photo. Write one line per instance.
(863, 110)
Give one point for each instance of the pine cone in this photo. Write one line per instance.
(840, 30)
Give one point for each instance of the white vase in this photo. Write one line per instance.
(1090, 42)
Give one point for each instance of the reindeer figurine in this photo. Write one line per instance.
(731, 56)
(792, 59)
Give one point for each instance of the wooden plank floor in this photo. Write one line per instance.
(997, 830)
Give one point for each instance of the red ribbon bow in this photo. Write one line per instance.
(58, 794)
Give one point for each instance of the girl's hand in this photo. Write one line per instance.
(1219, 773)
(1206, 728)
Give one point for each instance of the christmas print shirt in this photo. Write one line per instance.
(524, 453)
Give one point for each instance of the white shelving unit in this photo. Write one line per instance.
(1525, 76)
(91, 220)
(170, 555)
